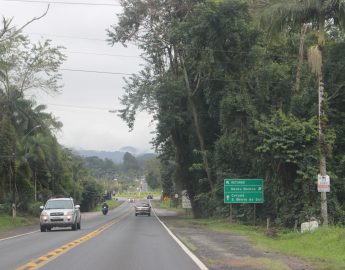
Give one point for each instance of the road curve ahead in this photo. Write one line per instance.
(119, 240)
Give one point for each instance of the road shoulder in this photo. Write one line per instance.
(222, 251)
(18, 231)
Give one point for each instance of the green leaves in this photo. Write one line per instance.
(286, 138)
(241, 90)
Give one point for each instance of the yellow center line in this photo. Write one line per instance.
(48, 257)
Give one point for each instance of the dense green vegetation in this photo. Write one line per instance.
(33, 165)
(234, 96)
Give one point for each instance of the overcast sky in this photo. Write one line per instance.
(86, 98)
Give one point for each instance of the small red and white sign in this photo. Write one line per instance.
(323, 183)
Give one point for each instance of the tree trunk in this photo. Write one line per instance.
(300, 57)
(197, 125)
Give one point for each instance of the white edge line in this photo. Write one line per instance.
(19, 235)
(198, 262)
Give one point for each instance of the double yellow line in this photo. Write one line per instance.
(43, 260)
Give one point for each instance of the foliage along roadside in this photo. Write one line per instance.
(231, 102)
(111, 204)
(8, 222)
(33, 165)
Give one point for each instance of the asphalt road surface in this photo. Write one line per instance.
(118, 240)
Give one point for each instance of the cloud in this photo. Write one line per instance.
(86, 97)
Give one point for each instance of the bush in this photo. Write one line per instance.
(5, 208)
(33, 208)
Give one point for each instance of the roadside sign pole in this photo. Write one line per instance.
(243, 191)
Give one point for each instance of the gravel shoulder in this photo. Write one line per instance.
(223, 251)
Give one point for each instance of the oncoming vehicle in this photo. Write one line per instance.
(105, 208)
(60, 212)
(143, 209)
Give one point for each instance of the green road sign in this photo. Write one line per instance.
(243, 191)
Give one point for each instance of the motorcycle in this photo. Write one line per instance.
(105, 210)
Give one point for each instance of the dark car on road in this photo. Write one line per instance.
(143, 208)
(149, 197)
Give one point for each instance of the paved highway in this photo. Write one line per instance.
(116, 241)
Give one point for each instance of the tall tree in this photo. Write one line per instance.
(276, 16)
(130, 165)
(25, 66)
(154, 37)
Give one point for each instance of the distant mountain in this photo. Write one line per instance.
(144, 157)
(130, 150)
(116, 156)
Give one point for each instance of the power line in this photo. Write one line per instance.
(73, 106)
(79, 107)
(65, 3)
(104, 54)
(235, 51)
(204, 79)
(96, 71)
(63, 36)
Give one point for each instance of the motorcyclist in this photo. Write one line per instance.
(105, 205)
(105, 208)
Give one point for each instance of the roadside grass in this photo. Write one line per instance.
(171, 206)
(270, 264)
(168, 205)
(188, 243)
(111, 203)
(7, 222)
(325, 247)
(138, 195)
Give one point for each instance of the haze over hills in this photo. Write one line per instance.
(117, 156)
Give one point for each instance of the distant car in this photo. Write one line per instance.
(60, 212)
(143, 209)
(149, 197)
(131, 200)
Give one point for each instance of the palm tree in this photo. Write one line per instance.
(35, 153)
(277, 15)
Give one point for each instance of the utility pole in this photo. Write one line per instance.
(14, 182)
(323, 171)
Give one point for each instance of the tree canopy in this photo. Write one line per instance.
(231, 101)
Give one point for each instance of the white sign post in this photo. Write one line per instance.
(323, 183)
(185, 200)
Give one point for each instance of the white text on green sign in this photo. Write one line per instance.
(243, 191)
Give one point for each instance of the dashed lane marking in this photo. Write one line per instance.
(44, 259)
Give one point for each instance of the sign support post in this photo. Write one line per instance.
(243, 191)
